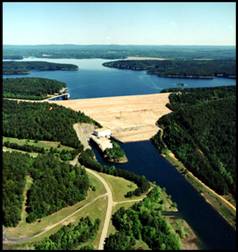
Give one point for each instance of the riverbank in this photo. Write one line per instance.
(218, 202)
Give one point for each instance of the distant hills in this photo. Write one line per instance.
(119, 51)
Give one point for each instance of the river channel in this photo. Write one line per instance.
(144, 159)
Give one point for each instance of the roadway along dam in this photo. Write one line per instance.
(130, 118)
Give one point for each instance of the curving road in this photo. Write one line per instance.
(109, 209)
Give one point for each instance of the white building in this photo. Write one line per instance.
(103, 132)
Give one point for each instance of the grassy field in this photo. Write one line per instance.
(227, 212)
(38, 143)
(32, 154)
(27, 230)
(119, 186)
(97, 209)
(28, 184)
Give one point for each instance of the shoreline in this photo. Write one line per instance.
(218, 202)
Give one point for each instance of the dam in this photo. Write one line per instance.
(130, 118)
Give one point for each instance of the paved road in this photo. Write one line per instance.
(109, 209)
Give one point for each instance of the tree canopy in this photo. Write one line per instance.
(198, 69)
(201, 132)
(30, 88)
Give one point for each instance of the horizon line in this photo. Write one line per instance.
(117, 44)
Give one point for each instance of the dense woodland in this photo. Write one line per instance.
(55, 185)
(71, 236)
(15, 167)
(42, 121)
(19, 67)
(201, 132)
(30, 88)
(120, 51)
(143, 221)
(200, 69)
(87, 159)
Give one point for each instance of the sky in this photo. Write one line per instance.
(140, 23)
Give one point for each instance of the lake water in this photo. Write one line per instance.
(144, 159)
(94, 80)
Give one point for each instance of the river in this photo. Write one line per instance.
(94, 80)
(212, 230)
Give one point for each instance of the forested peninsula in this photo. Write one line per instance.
(191, 69)
(201, 132)
(31, 88)
(25, 67)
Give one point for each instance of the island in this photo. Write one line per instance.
(24, 67)
(190, 69)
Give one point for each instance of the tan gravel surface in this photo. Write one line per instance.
(130, 118)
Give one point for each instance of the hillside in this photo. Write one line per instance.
(31, 88)
(201, 132)
(55, 185)
(42, 121)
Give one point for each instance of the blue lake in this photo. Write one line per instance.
(94, 80)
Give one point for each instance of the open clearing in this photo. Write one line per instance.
(37, 143)
(130, 118)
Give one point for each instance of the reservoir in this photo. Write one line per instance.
(94, 80)
(144, 159)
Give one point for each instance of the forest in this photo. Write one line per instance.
(87, 159)
(201, 132)
(195, 69)
(120, 51)
(71, 236)
(55, 185)
(143, 221)
(42, 121)
(19, 67)
(30, 88)
(15, 167)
